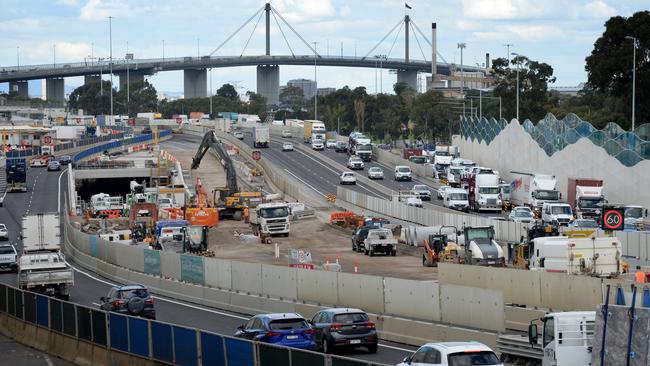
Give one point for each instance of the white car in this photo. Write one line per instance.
(422, 191)
(165, 203)
(330, 144)
(355, 163)
(287, 146)
(287, 134)
(239, 135)
(522, 214)
(403, 172)
(414, 201)
(4, 233)
(375, 172)
(452, 353)
(348, 178)
(317, 144)
(441, 192)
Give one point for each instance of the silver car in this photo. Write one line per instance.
(287, 146)
(522, 214)
(375, 173)
(422, 191)
(4, 233)
(286, 134)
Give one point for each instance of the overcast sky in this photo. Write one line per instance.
(558, 32)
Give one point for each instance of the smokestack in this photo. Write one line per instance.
(434, 65)
(487, 60)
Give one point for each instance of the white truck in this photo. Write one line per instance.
(479, 246)
(484, 191)
(270, 219)
(42, 267)
(599, 257)
(363, 149)
(313, 129)
(533, 190)
(558, 213)
(261, 137)
(380, 240)
(442, 158)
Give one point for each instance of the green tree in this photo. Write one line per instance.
(142, 98)
(292, 97)
(227, 91)
(91, 99)
(433, 117)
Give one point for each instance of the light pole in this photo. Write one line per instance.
(210, 93)
(516, 54)
(110, 62)
(316, 86)
(128, 82)
(507, 45)
(634, 45)
(462, 78)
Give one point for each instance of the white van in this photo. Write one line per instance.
(557, 213)
(403, 172)
(456, 199)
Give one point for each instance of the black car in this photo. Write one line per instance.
(344, 328)
(359, 236)
(129, 300)
(65, 159)
(341, 147)
(146, 130)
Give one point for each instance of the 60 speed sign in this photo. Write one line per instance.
(613, 219)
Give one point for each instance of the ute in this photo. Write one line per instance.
(16, 171)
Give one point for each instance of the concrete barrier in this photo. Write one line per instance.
(279, 281)
(472, 307)
(363, 291)
(420, 300)
(246, 277)
(320, 287)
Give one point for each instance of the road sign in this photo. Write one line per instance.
(613, 219)
(302, 265)
(47, 139)
(299, 256)
(257, 155)
(331, 198)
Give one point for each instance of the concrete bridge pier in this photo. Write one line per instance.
(195, 83)
(410, 77)
(268, 83)
(19, 87)
(134, 76)
(55, 89)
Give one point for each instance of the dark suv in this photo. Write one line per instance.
(344, 328)
(359, 236)
(129, 300)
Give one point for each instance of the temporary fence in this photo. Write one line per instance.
(91, 336)
(117, 144)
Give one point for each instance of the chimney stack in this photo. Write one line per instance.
(487, 60)
(434, 65)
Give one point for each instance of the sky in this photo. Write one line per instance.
(558, 32)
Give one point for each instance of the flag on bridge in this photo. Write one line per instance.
(407, 6)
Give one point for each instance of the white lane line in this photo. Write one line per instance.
(96, 304)
(47, 360)
(58, 204)
(395, 348)
(305, 183)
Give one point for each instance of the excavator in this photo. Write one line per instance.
(202, 214)
(231, 202)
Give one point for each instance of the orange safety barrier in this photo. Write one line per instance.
(340, 217)
(175, 213)
(110, 214)
(203, 216)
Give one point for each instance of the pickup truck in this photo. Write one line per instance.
(380, 240)
(46, 273)
(8, 257)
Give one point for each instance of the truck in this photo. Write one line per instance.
(313, 129)
(585, 195)
(635, 216)
(533, 190)
(8, 258)
(479, 246)
(362, 148)
(456, 199)
(261, 136)
(270, 218)
(42, 267)
(484, 191)
(442, 158)
(16, 171)
(595, 256)
(380, 240)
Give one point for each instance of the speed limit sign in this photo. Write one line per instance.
(257, 155)
(613, 219)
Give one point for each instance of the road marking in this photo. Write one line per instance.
(96, 304)
(395, 348)
(58, 204)
(47, 360)
(305, 183)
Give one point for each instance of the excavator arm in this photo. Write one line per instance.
(210, 141)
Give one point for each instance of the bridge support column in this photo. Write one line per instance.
(195, 83)
(19, 87)
(55, 89)
(268, 83)
(410, 77)
(90, 78)
(134, 76)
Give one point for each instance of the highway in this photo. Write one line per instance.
(42, 196)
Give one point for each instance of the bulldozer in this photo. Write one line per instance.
(229, 201)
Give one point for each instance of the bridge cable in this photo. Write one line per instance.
(251, 36)
(399, 31)
(386, 36)
(418, 42)
(295, 32)
(429, 42)
(283, 36)
(237, 31)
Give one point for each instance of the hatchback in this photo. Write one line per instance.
(239, 135)
(344, 328)
(287, 134)
(65, 159)
(284, 329)
(452, 354)
(287, 146)
(129, 300)
(348, 178)
(53, 165)
(341, 147)
(375, 173)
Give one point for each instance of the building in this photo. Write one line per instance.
(325, 91)
(568, 90)
(308, 87)
(22, 135)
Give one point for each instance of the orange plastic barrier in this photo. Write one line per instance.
(207, 216)
(339, 217)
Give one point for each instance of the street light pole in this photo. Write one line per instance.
(462, 78)
(516, 54)
(211, 93)
(316, 86)
(110, 64)
(634, 43)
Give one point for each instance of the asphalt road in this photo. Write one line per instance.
(43, 196)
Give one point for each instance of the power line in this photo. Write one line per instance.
(283, 36)
(386, 36)
(237, 31)
(251, 36)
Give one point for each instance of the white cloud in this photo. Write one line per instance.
(304, 10)
(535, 32)
(504, 9)
(465, 25)
(68, 2)
(65, 51)
(21, 25)
(599, 8)
(95, 10)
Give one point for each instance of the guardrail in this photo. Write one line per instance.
(117, 144)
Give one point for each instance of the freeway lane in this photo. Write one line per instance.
(42, 196)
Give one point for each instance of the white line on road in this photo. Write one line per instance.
(47, 360)
(305, 183)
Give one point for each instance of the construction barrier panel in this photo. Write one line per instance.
(421, 299)
(246, 277)
(472, 307)
(139, 337)
(162, 346)
(192, 270)
(185, 346)
(279, 281)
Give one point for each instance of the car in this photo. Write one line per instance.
(129, 300)
(584, 224)
(338, 328)
(146, 130)
(359, 237)
(403, 172)
(165, 203)
(422, 191)
(355, 163)
(65, 159)
(522, 214)
(414, 201)
(4, 233)
(284, 329)
(53, 165)
(452, 353)
(348, 178)
(341, 147)
(317, 144)
(287, 146)
(286, 134)
(331, 143)
(8, 258)
(440, 192)
(238, 134)
(375, 172)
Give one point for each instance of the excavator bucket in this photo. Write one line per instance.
(207, 216)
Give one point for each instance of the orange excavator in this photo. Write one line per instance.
(202, 214)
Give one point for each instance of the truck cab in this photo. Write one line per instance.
(484, 191)
(635, 215)
(567, 337)
(480, 247)
(589, 202)
(270, 219)
(363, 149)
(557, 214)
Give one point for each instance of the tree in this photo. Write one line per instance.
(360, 113)
(534, 78)
(333, 114)
(227, 91)
(91, 99)
(609, 67)
(142, 98)
(292, 97)
(432, 117)
(256, 104)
